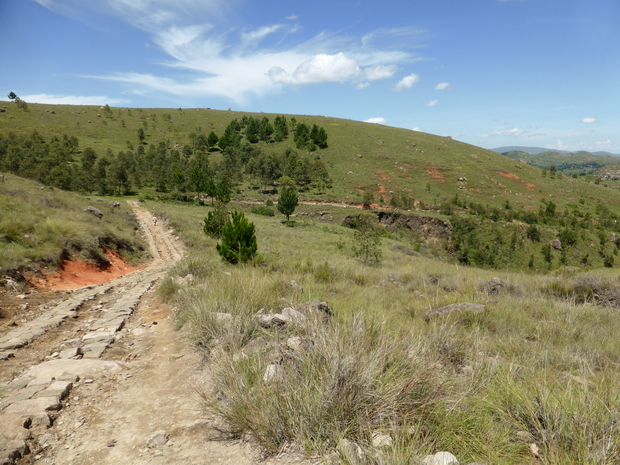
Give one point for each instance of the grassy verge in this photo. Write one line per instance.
(39, 226)
(539, 366)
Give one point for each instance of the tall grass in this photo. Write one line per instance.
(539, 366)
(39, 226)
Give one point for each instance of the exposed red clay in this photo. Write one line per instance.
(75, 273)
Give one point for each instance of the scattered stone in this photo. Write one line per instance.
(296, 286)
(222, 317)
(556, 244)
(534, 451)
(494, 286)
(351, 452)
(440, 458)
(525, 436)
(460, 307)
(273, 372)
(381, 441)
(156, 439)
(94, 211)
(299, 344)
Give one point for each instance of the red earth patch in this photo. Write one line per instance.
(75, 273)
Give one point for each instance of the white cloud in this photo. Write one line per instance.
(588, 120)
(442, 86)
(235, 63)
(432, 103)
(376, 72)
(505, 132)
(319, 69)
(362, 85)
(416, 129)
(72, 99)
(407, 82)
(378, 120)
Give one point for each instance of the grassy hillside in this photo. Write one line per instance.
(538, 366)
(385, 160)
(500, 199)
(39, 226)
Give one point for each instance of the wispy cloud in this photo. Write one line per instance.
(407, 82)
(505, 132)
(378, 120)
(72, 99)
(588, 120)
(442, 86)
(238, 64)
(432, 103)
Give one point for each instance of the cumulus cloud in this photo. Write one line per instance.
(588, 120)
(378, 120)
(432, 103)
(72, 99)
(319, 69)
(362, 85)
(442, 86)
(407, 82)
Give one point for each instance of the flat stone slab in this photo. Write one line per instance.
(64, 368)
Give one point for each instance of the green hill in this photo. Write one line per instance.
(164, 153)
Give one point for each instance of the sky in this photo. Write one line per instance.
(493, 73)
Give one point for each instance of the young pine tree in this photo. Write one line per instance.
(288, 197)
(238, 242)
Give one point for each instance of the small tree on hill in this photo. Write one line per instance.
(367, 239)
(238, 239)
(288, 200)
(215, 220)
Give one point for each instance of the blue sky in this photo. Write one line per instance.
(492, 73)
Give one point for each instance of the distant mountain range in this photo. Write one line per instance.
(539, 150)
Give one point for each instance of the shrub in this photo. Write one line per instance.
(238, 239)
(215, 220)
(262, 210)
(533, 233)
(367, 240)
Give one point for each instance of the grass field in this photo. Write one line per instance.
(538, 366)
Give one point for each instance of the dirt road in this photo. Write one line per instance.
(102, 377)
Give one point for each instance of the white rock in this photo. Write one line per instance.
(272, 373)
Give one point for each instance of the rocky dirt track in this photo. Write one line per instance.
(100, 376)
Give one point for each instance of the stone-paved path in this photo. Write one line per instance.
(31, 401)
(104, 378)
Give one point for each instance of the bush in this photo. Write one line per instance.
(238, 239)
(367, 240)
(215, 220)
(262, 210)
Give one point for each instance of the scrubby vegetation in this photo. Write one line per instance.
(536, 367)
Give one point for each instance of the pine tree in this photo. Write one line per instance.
(238, 243)
(288, 197)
